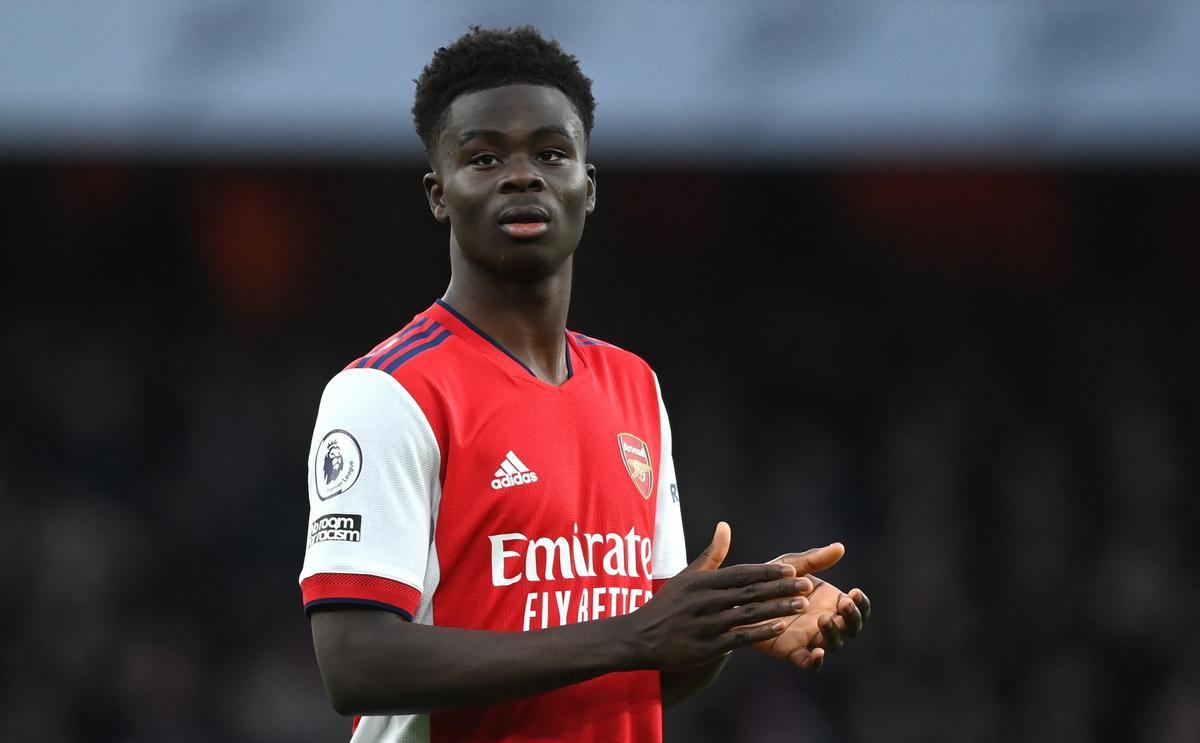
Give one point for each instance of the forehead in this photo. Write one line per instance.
(512, 110)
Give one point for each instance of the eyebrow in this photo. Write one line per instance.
(493, 134)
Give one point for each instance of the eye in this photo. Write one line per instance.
(485, 159)
(551, 156)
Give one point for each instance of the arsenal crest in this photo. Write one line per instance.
(636, 456)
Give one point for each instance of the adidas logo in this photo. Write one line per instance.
(512, 472)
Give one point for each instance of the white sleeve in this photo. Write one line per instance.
(670, 553)
(373, 482)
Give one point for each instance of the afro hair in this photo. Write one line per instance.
(485, 58)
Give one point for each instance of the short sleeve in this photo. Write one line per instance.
(670, 553)
(373, 482)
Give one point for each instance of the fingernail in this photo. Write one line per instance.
(799, 604)
(803, 585)
(777, 627)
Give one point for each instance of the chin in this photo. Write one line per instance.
(530, 262)
(524, 261)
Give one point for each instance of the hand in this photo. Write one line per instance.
(831, 616)
(705, 612)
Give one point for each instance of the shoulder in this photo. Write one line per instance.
(608, 357)
(411, 348)
(367, 395)
(392, 372)
(404, 375)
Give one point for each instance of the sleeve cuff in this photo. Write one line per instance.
(323, 589)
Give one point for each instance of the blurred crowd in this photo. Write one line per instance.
(982, 381)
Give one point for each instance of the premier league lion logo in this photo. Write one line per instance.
(337, 463)
(333, 462)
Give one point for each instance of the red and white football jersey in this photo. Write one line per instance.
(450, 485)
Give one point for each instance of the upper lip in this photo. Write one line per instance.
(530, 213)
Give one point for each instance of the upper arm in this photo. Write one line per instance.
(337, 634)
(373, 484)
(670, 553)
(347, 641)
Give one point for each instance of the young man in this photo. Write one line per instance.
(492, 496)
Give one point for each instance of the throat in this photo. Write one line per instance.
(532, 341)
(552, 369)
(548, 361)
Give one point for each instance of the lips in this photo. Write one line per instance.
(523, 215)
(527, 222)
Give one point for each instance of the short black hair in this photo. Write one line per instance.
(485, 58)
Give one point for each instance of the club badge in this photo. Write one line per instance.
(636, 456)
(337, 464)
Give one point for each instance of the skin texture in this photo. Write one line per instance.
(831, 615)
(374, 662)
(523, 147)
(506, 148)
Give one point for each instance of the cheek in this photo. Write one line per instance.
(575, 192)
(463, 203)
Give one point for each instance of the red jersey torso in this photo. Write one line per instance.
(546, 512)
(557, 532)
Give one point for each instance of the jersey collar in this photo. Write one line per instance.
(475, 337)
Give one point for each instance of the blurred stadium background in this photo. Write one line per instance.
(918, 276)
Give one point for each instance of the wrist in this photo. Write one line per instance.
(630, 653)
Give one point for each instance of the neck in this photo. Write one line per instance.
(527, 317)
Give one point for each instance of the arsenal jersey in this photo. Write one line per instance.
(450, 485)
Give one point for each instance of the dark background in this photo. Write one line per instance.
(980, 378)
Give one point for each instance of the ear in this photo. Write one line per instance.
(591, 194)
(434, 192)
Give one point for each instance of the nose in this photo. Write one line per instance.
(521, 174)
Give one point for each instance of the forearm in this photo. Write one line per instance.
(679, 685)
(380, 664)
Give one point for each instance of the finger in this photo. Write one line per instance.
(831, 635)
(755, 592)
(814, 560)
(864, 604)
(716, 551)
(800, 656)
(744, 575)
(740, 637)
(810, 659)
(852, 620)
(815, 660)
(761, 611)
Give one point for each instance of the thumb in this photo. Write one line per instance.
(814, 560)
(714, 554)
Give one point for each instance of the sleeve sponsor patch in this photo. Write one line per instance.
(337, 465)
(335, 527)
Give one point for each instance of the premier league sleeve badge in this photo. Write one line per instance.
(337, 464)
